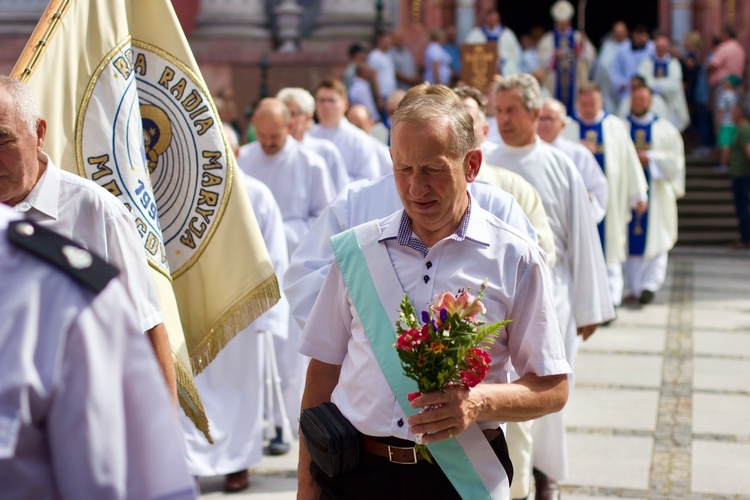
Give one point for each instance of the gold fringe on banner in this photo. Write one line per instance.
(234, 320)
(190, 402)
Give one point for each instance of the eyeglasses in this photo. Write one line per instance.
(328, 100)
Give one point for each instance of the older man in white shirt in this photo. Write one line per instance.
(606, 136)
(301, 106)
(81, 414)
(651, 235)
(441, 240)
(552, 121)
(582, 299)
(78, 209)
(354, 145)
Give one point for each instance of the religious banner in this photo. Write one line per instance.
(478, 64)
(127, 107)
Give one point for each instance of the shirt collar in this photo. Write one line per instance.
(469, 228)
(44, 197)
(643, 120)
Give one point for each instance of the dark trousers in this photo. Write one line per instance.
(741, 189)
(377, 478)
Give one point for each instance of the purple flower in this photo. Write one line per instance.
(443, 315)
(425, 317)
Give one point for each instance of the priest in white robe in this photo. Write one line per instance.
(232, 387)
(651, 235)
(508, 48)
(617, 38)
(552, 121)
(658, 104)
(360, 117)
(628, 58)
(356, 148)
(298, 179)
(301, 105)
(580, 289)
(607, 137)
(663, 75)
(566, 56)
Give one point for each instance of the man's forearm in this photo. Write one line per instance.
(527, 398)
(163, 351)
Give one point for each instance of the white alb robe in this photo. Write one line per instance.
(658, 107)
(232, 387)
(580, 287)
(298, 178)
(508, 49)
(591, 172)
(332, 157)
(670, 87)
(603, 75)
(585, 60)
(384, 157)
(626, 181)
(355, 147)
(361, 202)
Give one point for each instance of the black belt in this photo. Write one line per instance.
(407, 455)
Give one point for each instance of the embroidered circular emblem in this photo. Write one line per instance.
(148, 132)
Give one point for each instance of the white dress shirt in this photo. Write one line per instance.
(518, 288)
(385, 68)
(84, 412)
(331, 155)
(88, 214)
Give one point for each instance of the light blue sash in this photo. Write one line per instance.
(375, 291)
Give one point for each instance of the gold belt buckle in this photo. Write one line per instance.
(390, 455)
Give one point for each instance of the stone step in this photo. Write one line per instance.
(692, 209)
(707, 237)
(707, 196)
(707, 222)
(708, 183)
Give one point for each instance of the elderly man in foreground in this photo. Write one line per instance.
(442, 240)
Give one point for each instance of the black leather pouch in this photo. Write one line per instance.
(331, 440)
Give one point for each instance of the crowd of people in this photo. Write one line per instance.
(557, 186)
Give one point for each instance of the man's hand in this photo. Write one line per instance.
(457, 412)
(163, 351)
(587, 331)
(643, 157)
(641, 207)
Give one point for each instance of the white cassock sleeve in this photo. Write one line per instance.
(596, 184)
(510, 51)
(669, 163)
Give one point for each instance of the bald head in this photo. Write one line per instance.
(272, 124)
(360, 117)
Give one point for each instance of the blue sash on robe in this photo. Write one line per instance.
(592, 132)
(661, 67)
(565, 68)
(638, 226)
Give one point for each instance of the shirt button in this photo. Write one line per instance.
(426, 278)
(429, 264)
(400, 422)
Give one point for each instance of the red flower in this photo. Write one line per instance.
(477, 366)
(413, 395)
(412, 338)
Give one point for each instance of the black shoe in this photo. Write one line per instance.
(647, 296)
(546, 488)
(277, 446)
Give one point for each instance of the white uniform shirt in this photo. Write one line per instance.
(384, 157)
(331, 155)
(86, 213)
(361, 202)
(519, 288)
(84, 412)
(591, 172)
(299, 180)
(383, 64)
(360, 92)
(355, 148)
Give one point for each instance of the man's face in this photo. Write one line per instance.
(619, 32)
(640, 101)
(430, 180)
(550, 124)
(493, 19)
(662, 46)
(271, 130)
(589, 105)
(640, 39)
(516, 124)
(480, 122)
(330, 107)
(299, 121)
(19, 150)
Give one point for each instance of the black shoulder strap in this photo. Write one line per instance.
(83, 266)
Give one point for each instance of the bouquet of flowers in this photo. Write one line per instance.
(448, 347)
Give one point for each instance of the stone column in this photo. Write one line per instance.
(19, 17)
(465, 18)
(233, 19)
(349, 18)
(288, 16)
(682, 19)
